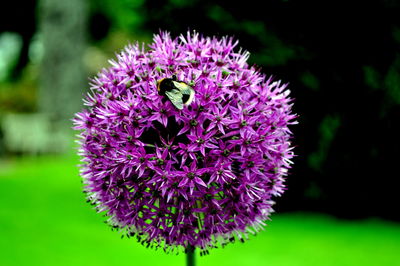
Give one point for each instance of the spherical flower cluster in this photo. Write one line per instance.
(197, 177)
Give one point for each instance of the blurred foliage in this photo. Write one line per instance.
(372, 77)
(19, 18)
(327, 131)
(392, 81)
(10, 47)
(309, 80)
(20, 96)
(125, 15)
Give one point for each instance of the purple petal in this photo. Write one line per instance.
(199, 181)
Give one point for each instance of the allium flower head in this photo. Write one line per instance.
(201, 176)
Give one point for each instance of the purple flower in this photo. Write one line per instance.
(201, 176)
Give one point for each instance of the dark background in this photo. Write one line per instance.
(342, 62)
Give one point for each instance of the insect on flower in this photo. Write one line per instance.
(201, 177)
(178, 92)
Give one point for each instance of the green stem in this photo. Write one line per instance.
(190, 256)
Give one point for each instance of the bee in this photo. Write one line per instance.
(178, 92)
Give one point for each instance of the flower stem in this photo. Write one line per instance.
(190, 256)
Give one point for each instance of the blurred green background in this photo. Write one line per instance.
(342, 61)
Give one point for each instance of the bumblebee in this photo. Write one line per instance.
(178, 92)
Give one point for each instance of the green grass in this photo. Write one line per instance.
(44, 220)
